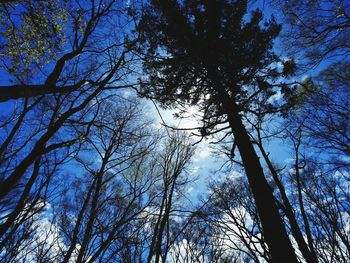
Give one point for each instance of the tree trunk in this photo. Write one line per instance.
(274, 231)
(307, 251)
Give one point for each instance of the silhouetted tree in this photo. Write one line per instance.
(60, 47)
(315, 30)
(261, 132)
(323, 111)
(214, 55)
(109, 197)
(173, 163)
(41, 131)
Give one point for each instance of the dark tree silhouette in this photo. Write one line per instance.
(322, 109)
(33, 41)
(173, 163)
(45, 130)
(215, 55)
(261, 131)
(315, 30)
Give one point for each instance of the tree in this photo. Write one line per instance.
(317, 132)
(319, 200)
(41, 130)
(210, 53)
(318, 127)
(74, 28)
(32, 34)
(322, 110)
(173, 163)
(108, 198)
(232, 218)
(318, 30)
(262, 131)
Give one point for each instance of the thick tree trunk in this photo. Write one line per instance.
(308, 251)
(274, 231)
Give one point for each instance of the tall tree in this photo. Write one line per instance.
(316, 30)
(58, 49)
(173, 163)
(322, 110)
(40, 133)
(215, 55)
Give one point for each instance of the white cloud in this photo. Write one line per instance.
(276, 97)
(304, 77)
(190, 189)
(194, 170)
(201, 154)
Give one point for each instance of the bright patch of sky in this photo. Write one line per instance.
(203, 163)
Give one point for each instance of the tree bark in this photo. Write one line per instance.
(307, 251)
(27, 91)
(273, 228)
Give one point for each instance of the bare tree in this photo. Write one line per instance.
(41, 130)
(84, 54)
(322, 111)
(173, 162)
(319, 30)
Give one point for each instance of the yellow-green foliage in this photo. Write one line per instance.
(302, 92)
(32, 32)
